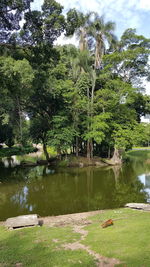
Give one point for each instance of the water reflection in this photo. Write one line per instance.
(10, 162)
(145, 180)
(48, 191)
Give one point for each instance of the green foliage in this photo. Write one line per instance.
(71, 97)
(44, 26)
(8, 152)
(123, 137)
(99, 126)
(142, 134)
(61, 136)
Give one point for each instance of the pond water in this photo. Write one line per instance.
(54, 191)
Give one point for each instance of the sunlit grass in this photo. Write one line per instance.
(41, 247)
(127, 240)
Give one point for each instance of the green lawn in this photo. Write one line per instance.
(41, 247)
(127, 240)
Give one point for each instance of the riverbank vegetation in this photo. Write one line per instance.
(8, 152)
(81, 244)
(85, 100)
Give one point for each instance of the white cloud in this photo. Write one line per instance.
(126, 13)
(62, 40)
(144, 4)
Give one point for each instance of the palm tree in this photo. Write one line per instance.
(78, 24)
(100, 34)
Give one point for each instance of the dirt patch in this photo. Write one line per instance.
(70, 219)
(80, 230)
(101, 261)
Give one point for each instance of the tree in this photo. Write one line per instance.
(17, 77)
(99, 33)
(62, 134)
(130, 60)
(78, 24)
(11, 13)
(45, 26)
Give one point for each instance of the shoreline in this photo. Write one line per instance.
(66, 218)
(81, 217)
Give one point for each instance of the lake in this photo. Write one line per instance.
(54, 191)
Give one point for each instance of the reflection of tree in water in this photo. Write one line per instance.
(47, 192)
(14, 190)
(128, 187)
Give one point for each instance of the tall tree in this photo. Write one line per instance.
(11, 14)
(43, 26)
(78, 24)
(99, 34)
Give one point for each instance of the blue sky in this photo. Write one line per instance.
(126, 13)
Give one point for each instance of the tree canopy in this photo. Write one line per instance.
(86, 100)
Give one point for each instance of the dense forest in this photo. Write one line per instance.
(86, 99)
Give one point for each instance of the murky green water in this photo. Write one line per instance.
(50, 191)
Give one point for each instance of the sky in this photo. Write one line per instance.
(125, 13)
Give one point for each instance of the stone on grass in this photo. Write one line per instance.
(139, 206)
(22, 221)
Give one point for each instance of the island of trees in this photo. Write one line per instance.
(87, 100)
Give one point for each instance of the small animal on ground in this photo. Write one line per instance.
(107, 223)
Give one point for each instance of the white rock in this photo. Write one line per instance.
(22, 221)
(140, 206)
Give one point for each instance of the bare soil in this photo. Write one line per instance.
(70, 219)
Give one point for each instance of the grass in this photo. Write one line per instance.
(139, 154)
(41, 246)
(141, 147)
(8, 152)
(127, 240)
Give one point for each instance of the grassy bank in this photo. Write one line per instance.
(141, 154)
(127, 241)
(73, 161)
(8, 152)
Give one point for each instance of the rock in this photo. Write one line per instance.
(22, 221)
(81, 164)
(139, 206)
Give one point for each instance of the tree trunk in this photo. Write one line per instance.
(88, 149)
(20, 120)
(77, 146)
(59, 153)
(109, 152)
(91, 148)
(116, 159)
(45, 152)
